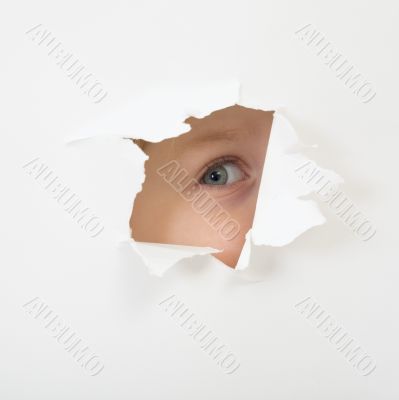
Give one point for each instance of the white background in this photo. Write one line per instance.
(105, 292)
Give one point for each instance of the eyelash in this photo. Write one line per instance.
(218, 162)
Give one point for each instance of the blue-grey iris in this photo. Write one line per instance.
(216, 176)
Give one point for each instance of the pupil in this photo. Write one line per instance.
(215, 175)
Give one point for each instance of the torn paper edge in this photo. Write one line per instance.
(282, 214)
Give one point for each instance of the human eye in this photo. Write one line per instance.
(222, 172)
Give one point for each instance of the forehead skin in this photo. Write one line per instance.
(229, 124)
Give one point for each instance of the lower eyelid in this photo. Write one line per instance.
(231, 190)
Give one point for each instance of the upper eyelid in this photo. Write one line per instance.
(216, 162)
(222, 160)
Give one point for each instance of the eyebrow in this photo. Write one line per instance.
(230, 135)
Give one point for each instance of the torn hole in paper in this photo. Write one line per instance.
(206, 151)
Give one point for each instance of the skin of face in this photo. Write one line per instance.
(232, 140)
